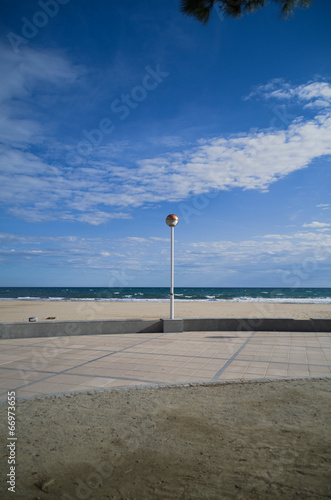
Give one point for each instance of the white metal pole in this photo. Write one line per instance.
(172, 301)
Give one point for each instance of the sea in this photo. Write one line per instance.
(151, 294)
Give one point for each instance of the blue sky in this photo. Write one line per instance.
(115, 114)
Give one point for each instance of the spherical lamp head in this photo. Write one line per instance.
(172, 220)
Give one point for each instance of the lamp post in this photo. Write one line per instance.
(172, 221)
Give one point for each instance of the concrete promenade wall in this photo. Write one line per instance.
(106, 327)
(257, 324)
(67, 328)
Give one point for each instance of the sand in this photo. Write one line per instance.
(12, 311)
(260, 440)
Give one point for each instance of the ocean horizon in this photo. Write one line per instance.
(308, 295)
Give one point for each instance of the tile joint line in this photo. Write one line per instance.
(233, 357)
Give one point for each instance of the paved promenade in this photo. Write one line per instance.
(56, 365)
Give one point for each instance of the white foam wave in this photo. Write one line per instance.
(285, 300)
(188, 298)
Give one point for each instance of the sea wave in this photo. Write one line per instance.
(285, 300)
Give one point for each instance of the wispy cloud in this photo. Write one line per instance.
(248, 161)
(314, 94)
(293, 258)
(274, 252)
(110, 255)
(317, 225)
(37, 184)
(29, 78)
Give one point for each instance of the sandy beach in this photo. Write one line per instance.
(21, 310)
(260, 440)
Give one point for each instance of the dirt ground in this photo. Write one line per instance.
(260, 440)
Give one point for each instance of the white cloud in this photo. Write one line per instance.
(316, 225)
(41, 186)
(314, 94)
(248, 161)
(21, 71)
(26, 75)
(278, 236)
(297, 256)
(159, 239)
(135, 239)
(98, 217)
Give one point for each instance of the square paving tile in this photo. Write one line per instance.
(91, 361)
